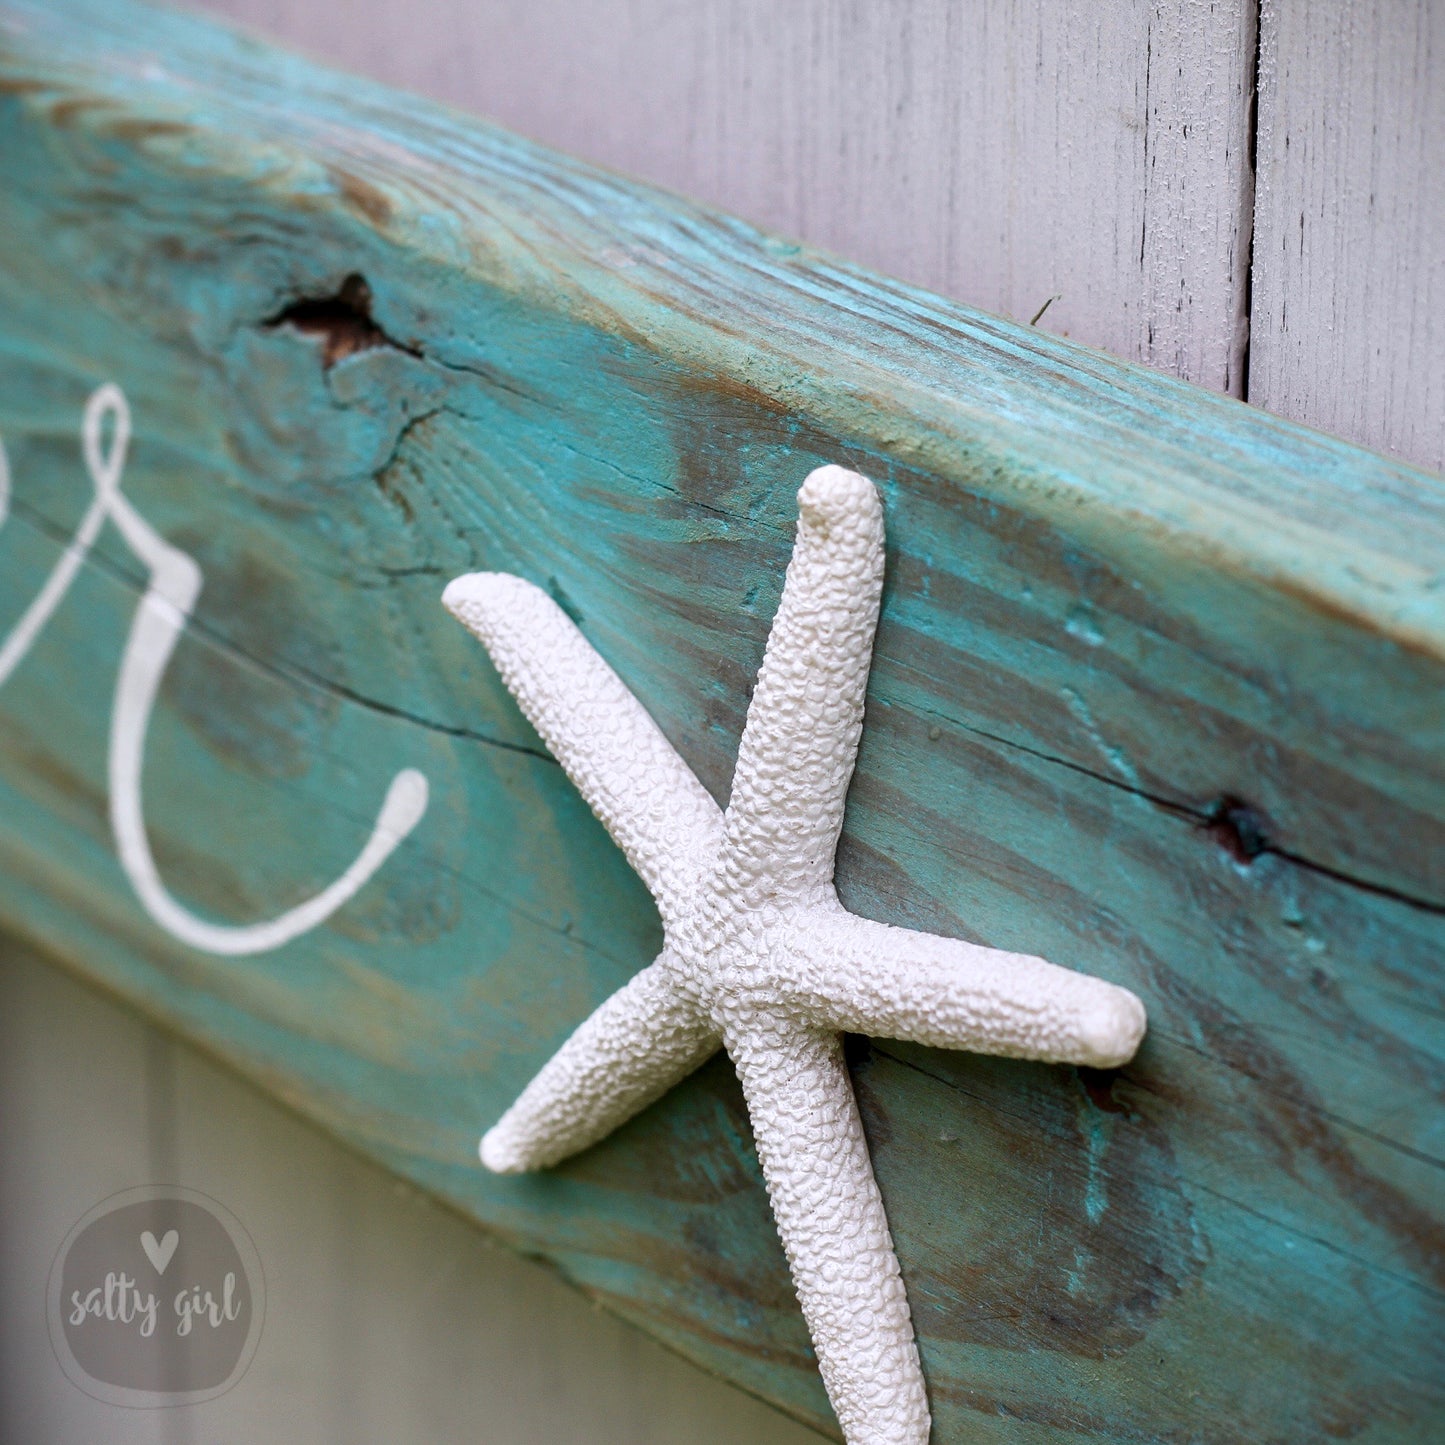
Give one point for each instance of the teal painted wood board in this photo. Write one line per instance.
(1157, 693)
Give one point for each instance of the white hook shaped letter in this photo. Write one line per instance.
(175, 581)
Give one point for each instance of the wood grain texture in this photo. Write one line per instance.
(388, 1317)
(1156, 694)
(1349, 255)
(1002, 152)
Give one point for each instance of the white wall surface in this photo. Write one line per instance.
(1006, 151)
(389, 1321)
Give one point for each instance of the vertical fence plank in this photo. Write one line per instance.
(1349, 277)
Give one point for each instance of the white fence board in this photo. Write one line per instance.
(1349, 275)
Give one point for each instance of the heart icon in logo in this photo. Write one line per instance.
(159, 1252)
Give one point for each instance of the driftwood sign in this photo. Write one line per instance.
(1157, 694)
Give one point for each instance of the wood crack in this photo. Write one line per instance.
(284, 671)
(1203, 818)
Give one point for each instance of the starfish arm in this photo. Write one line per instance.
(806, 716)
(632, 778)
(859, 976)
(629, 1052)
(835, 1233)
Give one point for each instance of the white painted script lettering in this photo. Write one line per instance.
(197, 1304)
(118, 1299)
(174, 583)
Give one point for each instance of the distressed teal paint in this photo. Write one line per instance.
(1112, 602)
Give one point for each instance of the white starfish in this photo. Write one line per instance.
(759, 956)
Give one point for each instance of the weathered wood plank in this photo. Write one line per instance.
(1348, 328)
(1001, 152)
(1156, 693)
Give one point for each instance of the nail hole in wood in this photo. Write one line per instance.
(1238, 829)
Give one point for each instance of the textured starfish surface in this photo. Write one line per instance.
(759, 955)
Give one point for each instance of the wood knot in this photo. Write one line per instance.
(342, 321)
